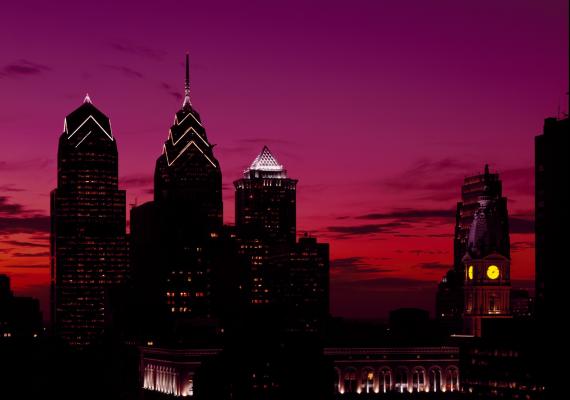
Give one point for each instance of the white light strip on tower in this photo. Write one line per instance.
(83, 123)
(183, 119)
(183, 150)
(81, 141)
(184, 134)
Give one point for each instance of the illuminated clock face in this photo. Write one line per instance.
(470, 272)
(493, 272)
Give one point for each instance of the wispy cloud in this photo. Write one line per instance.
(169, 89)
(411, 214)
(26, 266)
(433, 265)
(140, 51)
(26, 224)
(124, 70)
(10, 188)
(431, 175)
(387, 284)
(521, 225)
(136, 181)
(26, 255)
(21, 243)
(523, 245)
(16, 218)
(23, 68)
(9, 208)
(357, 265)
(346, 231)
(35, 164)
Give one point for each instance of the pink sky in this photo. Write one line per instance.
(379, 108)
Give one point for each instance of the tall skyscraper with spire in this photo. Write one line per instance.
(188, 179)
(89, 253)
(174, 237)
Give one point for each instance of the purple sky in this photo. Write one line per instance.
(379, 108)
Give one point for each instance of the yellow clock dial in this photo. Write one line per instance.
(470, 272)
(493, 272)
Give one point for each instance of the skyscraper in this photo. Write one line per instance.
(89, 253)
(265, 217)
(552, 211)
(301, 281)
(176, 237)
(266, 201)
(450, 296)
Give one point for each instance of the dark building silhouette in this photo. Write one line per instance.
(178, 240)
(450, 296)
(265, 218)
(522, 304)
(508, 363)
(300, 278)
(89, 253)
(20, 317)
(551, 211)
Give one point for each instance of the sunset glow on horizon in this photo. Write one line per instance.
(380, 111)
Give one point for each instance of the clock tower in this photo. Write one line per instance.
(487, 271)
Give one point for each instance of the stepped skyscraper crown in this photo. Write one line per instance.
(187, 171)
(89, 251)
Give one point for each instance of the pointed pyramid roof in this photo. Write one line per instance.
(86, 120)
(265, 161)
(265, 165)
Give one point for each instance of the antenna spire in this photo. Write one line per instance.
(87, 99)
(187, 102)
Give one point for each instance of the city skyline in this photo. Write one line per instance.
(381, 238)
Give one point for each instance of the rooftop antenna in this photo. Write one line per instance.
(187, 102)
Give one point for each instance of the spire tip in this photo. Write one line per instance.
(187, 102)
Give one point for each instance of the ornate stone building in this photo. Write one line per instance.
(395, 369)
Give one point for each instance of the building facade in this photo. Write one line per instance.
(551, 210)
(450, 295)
(179, 243)
(487, 280)
(265, 220)
(395, 369)
(20, 317)
(89, 250)
(300, 279)
(172, 372)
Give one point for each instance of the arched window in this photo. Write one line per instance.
(385, 380)
(418, 380)
(452, 379)
(401, 379)
(435, 379)
(350, 380)
(368, 380)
